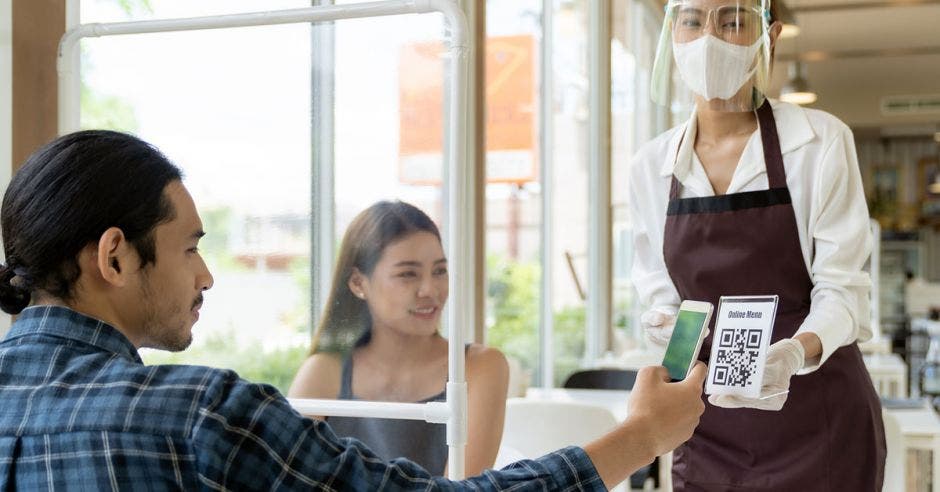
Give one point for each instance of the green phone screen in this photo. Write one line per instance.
(679, 353)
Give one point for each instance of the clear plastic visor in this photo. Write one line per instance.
(737, 23)
(740, 23)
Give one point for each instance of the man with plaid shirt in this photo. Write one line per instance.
(101, 243)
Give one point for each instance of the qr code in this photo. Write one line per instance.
(736, 357)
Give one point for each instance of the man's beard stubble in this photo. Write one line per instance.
(160, 336)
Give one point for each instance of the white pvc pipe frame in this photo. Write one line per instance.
(461, 174)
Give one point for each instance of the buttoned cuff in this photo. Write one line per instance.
(833, 331)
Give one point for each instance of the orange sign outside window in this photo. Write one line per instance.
(510, 111)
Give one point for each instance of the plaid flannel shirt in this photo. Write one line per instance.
(80, 411)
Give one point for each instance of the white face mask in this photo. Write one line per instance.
(713, 68)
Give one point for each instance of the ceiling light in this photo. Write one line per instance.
(935, 186)
(814, 56)
(789, 31)
(796, 90)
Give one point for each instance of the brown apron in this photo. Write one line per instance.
(829, 434)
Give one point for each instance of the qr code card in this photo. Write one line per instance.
(739, 345)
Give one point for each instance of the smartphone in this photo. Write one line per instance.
(687, 336)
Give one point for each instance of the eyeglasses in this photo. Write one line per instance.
(733, 23)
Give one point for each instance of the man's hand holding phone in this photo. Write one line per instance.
(662, 416)
(669, 412)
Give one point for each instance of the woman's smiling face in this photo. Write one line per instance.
(407, 289)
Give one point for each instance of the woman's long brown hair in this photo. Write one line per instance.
(346, 322)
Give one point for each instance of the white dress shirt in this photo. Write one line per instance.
(828, 200)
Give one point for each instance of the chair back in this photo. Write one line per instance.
(518, 377)
(534, 427)
(611, 379)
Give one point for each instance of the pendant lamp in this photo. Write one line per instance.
(796, 90)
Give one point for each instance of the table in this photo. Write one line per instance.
(920, 430)
(613, 400)
(920, 427)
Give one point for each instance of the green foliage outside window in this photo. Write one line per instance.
(104, 111)
(513, 292)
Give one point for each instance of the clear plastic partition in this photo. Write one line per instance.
(247, 113)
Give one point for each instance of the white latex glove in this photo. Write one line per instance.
(784, 358)
(657, 326)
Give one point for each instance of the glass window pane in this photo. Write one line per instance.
(635, 121)
(570, 201)
(388, 110)
(513, 200)
(237, 121)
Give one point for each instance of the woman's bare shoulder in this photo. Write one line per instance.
(319, 376)
(488, 360)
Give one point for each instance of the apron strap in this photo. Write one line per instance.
(674, 188)
(773, 158)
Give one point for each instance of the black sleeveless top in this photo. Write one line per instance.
(422, 442)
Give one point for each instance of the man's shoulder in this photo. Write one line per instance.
(193, 381)
(107, 392)
(191, 388)
(199, 391)
(183, 376)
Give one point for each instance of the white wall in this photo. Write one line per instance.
(6, 100)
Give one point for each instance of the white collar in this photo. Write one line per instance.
(793, 129)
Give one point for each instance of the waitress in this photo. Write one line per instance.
(753, 197)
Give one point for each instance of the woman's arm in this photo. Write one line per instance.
(812, 345)
(487, 383)
(318, 377)
(647, 200)
(841, 234)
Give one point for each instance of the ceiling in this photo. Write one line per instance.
(856, 52)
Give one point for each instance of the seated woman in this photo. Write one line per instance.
(379, 340)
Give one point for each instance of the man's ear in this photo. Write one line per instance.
(115, 257)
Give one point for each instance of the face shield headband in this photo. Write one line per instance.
(721, 49)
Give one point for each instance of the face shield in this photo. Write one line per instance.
(721, 49)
